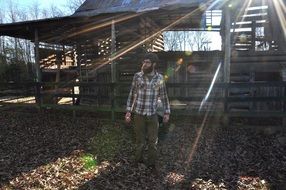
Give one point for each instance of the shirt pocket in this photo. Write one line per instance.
(140, 84)
(156, 85)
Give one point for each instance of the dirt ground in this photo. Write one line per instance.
(53, 150)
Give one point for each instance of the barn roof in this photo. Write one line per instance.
(95, 7)
(66, 30)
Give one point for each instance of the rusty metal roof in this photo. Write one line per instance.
(95, 7)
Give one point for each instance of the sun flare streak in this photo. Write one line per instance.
(102, 25)
(215, 3)
(142, 41)
(211, 87)
(281, 10)
(243, 11)
(199, 133)
(200, 129)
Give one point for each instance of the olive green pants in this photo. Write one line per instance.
(146, 126)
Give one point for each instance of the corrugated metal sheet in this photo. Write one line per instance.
(95, 7)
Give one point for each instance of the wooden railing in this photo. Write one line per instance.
(218, 94)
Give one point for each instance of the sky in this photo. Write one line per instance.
(29, 3)
(215, 39)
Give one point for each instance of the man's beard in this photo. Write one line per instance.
(147, 70)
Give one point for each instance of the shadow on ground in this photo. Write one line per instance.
(224, 158)
(191, 156)
(29, 140)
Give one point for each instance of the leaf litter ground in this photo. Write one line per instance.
(56, 151)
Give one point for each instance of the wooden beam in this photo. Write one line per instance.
(113, 68)
(227, 46)
(37, 57)
(227, 58)
(38, 70)
(253, 35)
(113, 50)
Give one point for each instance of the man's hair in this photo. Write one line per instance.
(152, 57)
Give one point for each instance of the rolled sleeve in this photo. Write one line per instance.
(131, 97)
(164, 98)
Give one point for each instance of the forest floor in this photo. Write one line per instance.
(53, 150)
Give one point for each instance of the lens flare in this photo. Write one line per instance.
(188, 53)
(170, 71)
(166, 77)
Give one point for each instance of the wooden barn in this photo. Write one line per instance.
(103, 41)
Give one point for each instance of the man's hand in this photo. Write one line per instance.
(166, 118)
(128, 117)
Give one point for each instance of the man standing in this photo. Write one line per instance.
(147, 87)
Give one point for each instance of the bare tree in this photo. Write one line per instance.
(2, 39)
(35, 10)
(73, 5)
(181, 40)
(173, 40)
(169, 41)
(19, 49)
(13, 14)
(190, 41)
(14, 48)
(201, 40)
(55, 11)
(45, 13)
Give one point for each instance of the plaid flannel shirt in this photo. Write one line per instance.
(144, 94)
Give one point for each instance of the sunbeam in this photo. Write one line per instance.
(142, 41)
(216, 3)
(281, 10)
(95, 26)
(242, 12)
(211, 87)
(102, 25)
(200, 129)
(195, 145)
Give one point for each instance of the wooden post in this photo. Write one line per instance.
(64, 55)
(37, 57)
(253, 35)
(58, 74)
(227, 46)
(113, 50)
(227, 57)
(113, 70)
(284, 110)
(38, 70)
(283, 73)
